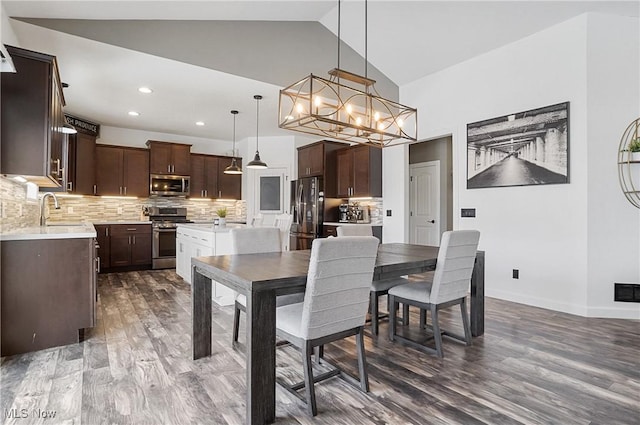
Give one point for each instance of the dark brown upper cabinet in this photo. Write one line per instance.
(33, 144)
(169, 158)
(122, 171)
(209, 181)
(229, 185)
(359, 172)
(319, 160)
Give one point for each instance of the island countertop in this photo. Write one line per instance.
(208, 227)
(67, 231)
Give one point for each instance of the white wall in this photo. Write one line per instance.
(8, 36)
(138, 138)
(541, 230)
(613, 83)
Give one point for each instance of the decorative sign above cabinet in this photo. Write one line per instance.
(83, 125)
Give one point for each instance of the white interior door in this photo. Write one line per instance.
(271, 195)
(424, 203)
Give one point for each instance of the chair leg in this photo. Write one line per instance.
(307, 350)
(362, 361)
(437, 336)
(465, 321)
(393, 310)
(236, 323)
(373, 301)
(423, 317)
(405, 314)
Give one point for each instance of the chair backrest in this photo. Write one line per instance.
(255, 240)
(257, 220)
(456, 258)
(338, 284)
(283, 222)
(355, 230)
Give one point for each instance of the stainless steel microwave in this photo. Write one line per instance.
(167, 185)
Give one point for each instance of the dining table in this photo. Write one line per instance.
(262, 277)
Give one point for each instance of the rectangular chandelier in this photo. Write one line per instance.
(330, 109)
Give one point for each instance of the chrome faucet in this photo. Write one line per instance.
(43, 218)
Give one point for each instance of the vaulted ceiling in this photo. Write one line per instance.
(204, 58)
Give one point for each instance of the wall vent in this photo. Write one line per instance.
(627, 292)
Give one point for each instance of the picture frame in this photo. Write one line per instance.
(520, 149)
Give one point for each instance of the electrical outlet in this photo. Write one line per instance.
(120, 210)
(388, 213)
(69, 210)
(516, 274)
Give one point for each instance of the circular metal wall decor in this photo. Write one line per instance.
(629, 163)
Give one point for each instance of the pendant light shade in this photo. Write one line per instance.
(68, 129)
(257, 163)
(233, 168)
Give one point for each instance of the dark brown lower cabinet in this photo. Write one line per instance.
(104, 243)
(48, 292)
(130, 245)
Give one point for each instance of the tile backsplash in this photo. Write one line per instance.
(96, 209)
(16, 210)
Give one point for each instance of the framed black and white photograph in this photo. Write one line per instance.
(520, 149)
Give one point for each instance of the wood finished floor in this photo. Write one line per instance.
(532, 366)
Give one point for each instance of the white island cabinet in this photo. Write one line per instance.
(203, 240)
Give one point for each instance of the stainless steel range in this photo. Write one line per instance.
(164, 221)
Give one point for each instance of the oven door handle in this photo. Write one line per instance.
(164, 230)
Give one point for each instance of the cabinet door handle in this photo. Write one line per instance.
(99, 265)
(206, 192)
(125, 191)
(95, 189)
(129, 240)
(219, 194)
(134, 239)
(106, 231)
(57, 162)
(120, 190)
(70, 187)
(168, 168)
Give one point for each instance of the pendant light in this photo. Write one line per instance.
(257, 163)
(233, 168)
(352, 113)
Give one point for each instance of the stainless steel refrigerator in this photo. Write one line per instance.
(310, 210)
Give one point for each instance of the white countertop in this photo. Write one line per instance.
(336, 223)
(210, 227)
(76, 231)
(122, 222)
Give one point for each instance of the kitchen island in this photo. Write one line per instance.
(204, 240)
(48, 286)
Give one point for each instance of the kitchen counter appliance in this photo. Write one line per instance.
(164, 221)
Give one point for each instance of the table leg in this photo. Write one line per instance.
(477, 296)
(201, 314)
(261, 357)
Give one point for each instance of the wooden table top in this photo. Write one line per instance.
(253, 272)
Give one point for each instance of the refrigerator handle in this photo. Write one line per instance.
(299, 202)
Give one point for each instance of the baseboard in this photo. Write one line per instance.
(628, 311)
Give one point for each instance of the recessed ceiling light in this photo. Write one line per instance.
(199, 123)
(134, 113)
(145, 90)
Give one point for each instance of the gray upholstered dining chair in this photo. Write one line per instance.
(378, 287)
(256, 240)
(283, 222)
(447, 287)
(335, 307)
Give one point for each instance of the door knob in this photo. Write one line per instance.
(432, 221)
